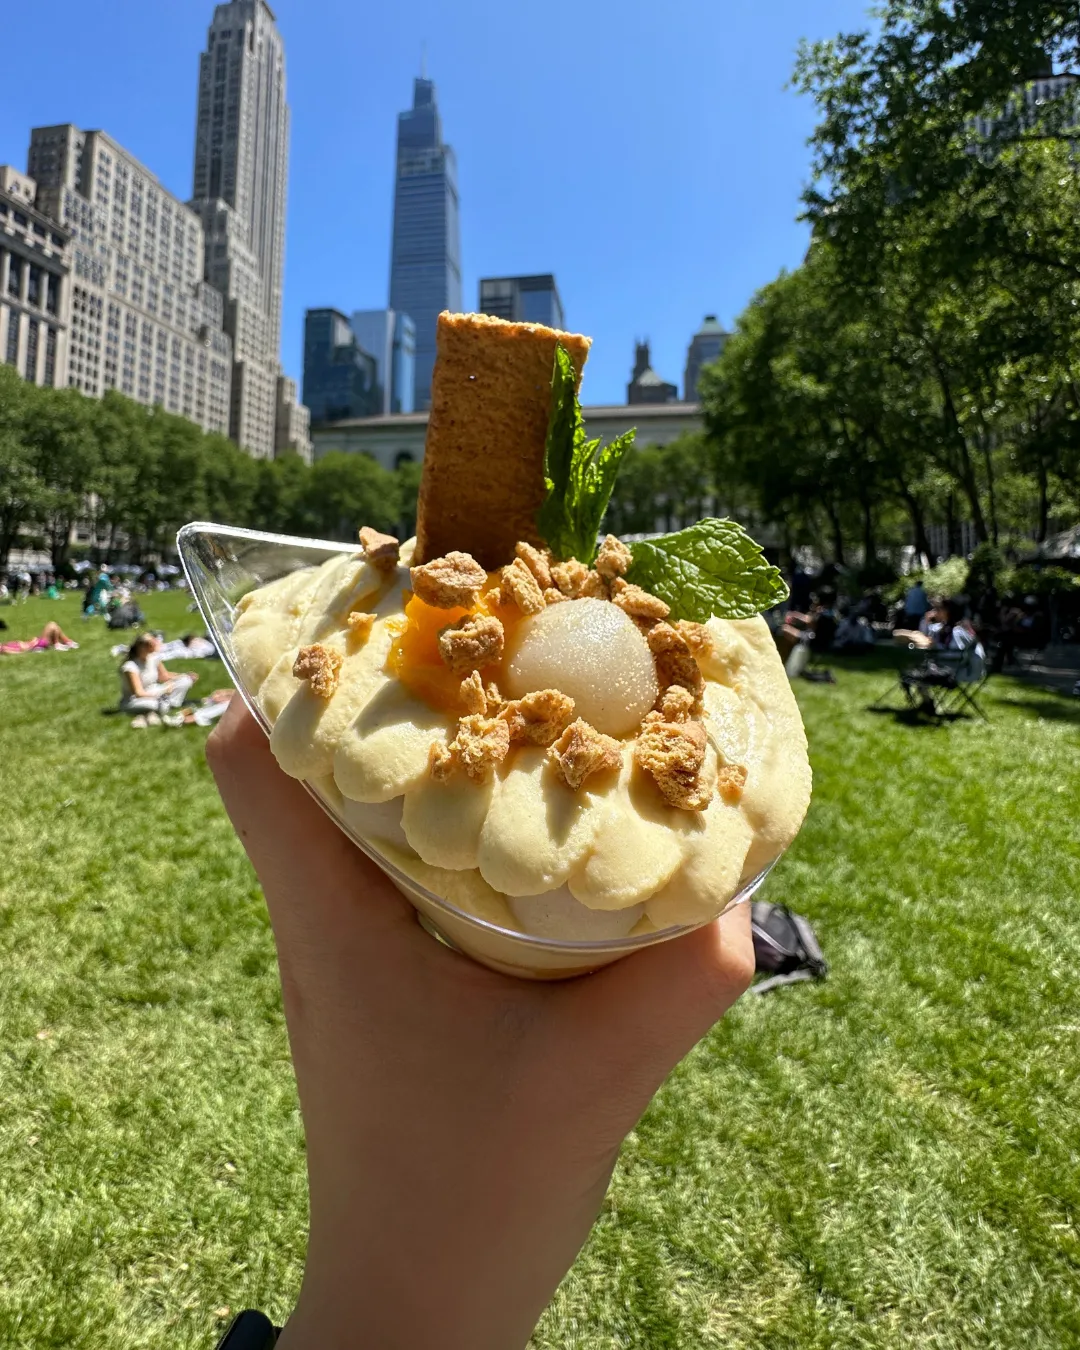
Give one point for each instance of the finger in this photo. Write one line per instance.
(644, 1013)
(311, 873)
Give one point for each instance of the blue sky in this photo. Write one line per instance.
(647, 154)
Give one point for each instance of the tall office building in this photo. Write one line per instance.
(425, 264)
(241, 166)
(35, 284)
(705, 346)
(391, 338)
(523, 300)
(340, 377)
(293, 423)
(143, 321)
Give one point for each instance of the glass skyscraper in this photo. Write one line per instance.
(523, 300)
(340, 378)
(391, 338)
(425, 264)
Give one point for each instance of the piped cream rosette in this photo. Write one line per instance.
(522, 849)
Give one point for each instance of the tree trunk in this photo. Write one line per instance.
(918, 526)
(837, 533)
(869, 538)
(991, 494)
(966, 474)
(1042, 528)
(971, 491)
(60, 540)
(9, 532)
(950, 525)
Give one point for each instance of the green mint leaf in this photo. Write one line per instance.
(579, 475)
(566, 432)
(594, 481)
(712, 568)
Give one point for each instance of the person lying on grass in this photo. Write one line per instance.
(206, 714)
(51, 636)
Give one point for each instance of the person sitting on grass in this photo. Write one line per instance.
(145, 685)
(52, 635)
(815, 630)
(853, 633)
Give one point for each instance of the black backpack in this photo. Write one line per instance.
(785, 947)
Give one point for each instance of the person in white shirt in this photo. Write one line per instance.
(188, 648)
(145, 685)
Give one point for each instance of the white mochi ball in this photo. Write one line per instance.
(590, 650)
(556, 914)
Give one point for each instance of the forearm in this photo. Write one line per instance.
(461, 1277)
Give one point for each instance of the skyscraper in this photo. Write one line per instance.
(340, 378)
(705, 346)
(425, 264)
(143, 320)
(391, 338)
(241, 166)
(523, 300)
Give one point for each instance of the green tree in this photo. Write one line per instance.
(61, 432)
(22, 490)
(407, 475)
(280, 485)
(231, 481)
(124, 449)
(346, 491)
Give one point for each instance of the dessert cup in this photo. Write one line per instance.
(222, 564)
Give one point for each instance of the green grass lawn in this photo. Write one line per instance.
(888, 1159)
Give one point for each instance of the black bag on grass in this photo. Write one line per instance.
(785, 947)
(125, 616)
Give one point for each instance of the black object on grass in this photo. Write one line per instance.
(785, 947)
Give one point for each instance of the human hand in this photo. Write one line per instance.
(461, 1126)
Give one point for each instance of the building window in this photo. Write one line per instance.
(50, 357)
(14, 276)
(33, 287)
(12, 338)
(31, 351)
(52, 293)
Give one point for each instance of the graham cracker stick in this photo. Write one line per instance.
(483, 478)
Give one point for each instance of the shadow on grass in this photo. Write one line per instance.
(912, 717)
(1052, 707)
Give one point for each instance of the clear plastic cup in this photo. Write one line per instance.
(222, 564)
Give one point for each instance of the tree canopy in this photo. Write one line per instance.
(135, 475)
(919, 368)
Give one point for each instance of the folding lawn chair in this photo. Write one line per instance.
(945, 685)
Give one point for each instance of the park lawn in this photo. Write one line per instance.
(888, 1159)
